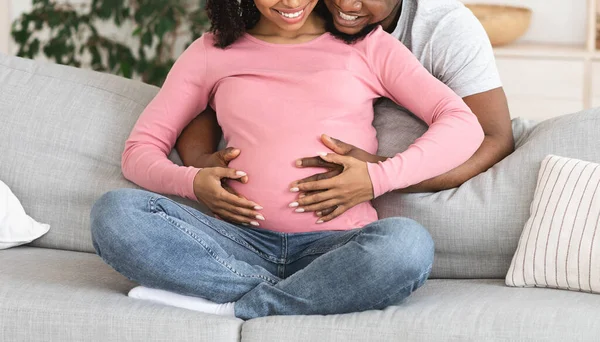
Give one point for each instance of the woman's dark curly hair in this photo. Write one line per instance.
(230, 19)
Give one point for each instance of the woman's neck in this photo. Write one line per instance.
(268, 31)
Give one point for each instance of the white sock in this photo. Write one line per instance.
(181, 301)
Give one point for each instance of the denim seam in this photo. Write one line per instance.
(284, 254)
(324, 250)
(218, 230)
(411, 283)
(284, 248)
(205, 246)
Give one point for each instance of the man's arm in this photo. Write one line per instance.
(491, 109)
(199, 139)
(463, 58)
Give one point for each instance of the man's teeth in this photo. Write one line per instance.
(348, 17)
(292, 15)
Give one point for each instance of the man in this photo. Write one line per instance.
(451, 44)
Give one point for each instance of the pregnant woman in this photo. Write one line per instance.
(277, 79)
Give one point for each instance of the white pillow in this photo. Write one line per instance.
(16, 228)
(560, 244)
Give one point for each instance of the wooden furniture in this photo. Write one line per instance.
(544, 80)
(503, 24)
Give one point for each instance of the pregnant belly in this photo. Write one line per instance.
(270, 175)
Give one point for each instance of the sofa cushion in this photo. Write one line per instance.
(54, 295)
(62, 131)
(449, 310)
(559, 246)
(476, 227)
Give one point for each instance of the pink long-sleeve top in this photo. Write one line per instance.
(273, 102)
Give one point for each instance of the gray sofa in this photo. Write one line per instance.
(62, 132)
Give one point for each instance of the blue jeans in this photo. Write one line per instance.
(159, 243)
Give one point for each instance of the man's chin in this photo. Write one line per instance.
(348, 30)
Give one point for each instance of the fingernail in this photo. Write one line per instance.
(323, 154)
(258, 207)
(298, 162)
(299, 210)
(260, 217)
(241, 173)
(294, 189)
(320, 221)
(319, 213)
(254, 223)
(301, 195)
(293, 204)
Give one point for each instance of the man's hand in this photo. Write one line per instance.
(221, 159)
(340, 148)
(342, 192)
(209, 189)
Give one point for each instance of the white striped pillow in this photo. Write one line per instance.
(560, 244)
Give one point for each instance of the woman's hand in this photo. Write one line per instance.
(210, 189)
(342, 192)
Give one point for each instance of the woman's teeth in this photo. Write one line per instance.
(292, 15)
(348, 17)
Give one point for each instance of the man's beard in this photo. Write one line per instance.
(330, 26)
(350, 38)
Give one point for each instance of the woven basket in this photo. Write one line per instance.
(503, 24)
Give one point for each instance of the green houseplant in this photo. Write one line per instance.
(150, 31)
